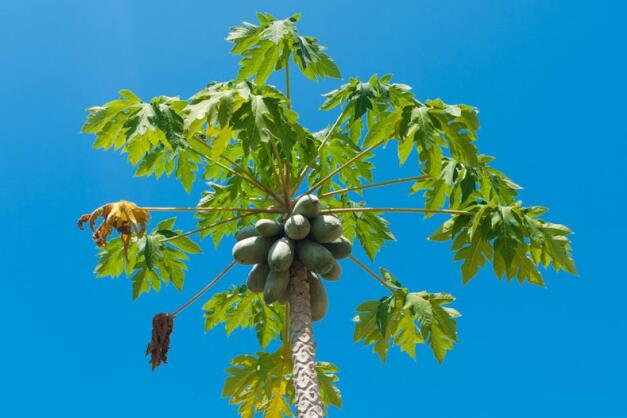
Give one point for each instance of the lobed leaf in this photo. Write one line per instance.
(237, 307)
(267, 47)
(406, 319)
(512, 237)
(149, 262)
(263, 384)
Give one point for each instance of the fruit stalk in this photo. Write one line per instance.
(306, 387)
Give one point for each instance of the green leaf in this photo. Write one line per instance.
(259, 62)
(152, 251)
(186, 168)
(152, 134)
(442, 332)
(149, 262)
(512, 237)
(100, 117)
(406, 319)
(187, 245)
(237, 307)
(166, 224)
(383, 130)
(327, 379)
(372, 231)
(111, 260)
(404, 150)
(235, 193)
(460, 184)
(376, 95)
(263, 384)
(267, 47)
(310, 59)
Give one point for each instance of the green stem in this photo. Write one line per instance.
(243, 174)
(370, 272)
(369, 186)
(288, 93)
(398, 210)
(282, 173)
(205, 228)
(203, 290)
(287, 166)
(254, 179)
(286, 331)
(201, 209)
(307, 166)
(343, 166)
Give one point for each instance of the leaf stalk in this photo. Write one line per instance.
(397, 210)
(307, 166)
(369, 186)
(203, 290)
(371, 273)
(341, 167)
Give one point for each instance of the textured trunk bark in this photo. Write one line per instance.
(307, 389)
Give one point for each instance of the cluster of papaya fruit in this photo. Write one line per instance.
(306, 236)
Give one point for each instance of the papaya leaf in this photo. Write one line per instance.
(267, 47)
(237, 307)
(235, 193)
(375, 95)
(262, 383)
(149, 262)
(150, 133)
(372, 231)
(512, 237)
(111, 260)
(406, 319)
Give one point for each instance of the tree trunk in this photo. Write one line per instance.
(307, 389)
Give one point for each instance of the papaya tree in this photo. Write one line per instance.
(292, 199)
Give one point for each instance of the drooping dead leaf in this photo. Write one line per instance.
(124, 216)
(162, 327)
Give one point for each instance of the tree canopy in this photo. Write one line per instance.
(243, 140)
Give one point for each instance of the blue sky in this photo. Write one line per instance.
(549, 79)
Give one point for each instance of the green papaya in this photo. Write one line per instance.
(326, 228)
(281, 254)
(245, 232)
(314, 256)
(276, 285)
(257, 277)
(318, 298)
(252, 250)
(308, 205)
(335, 271)
(268, 227)
(340, 248)
(297, 226)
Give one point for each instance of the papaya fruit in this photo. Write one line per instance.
(318, 298)
(314, 256)
(276, 285)
(297, 226)
(340, 248)
(281, 254)
(308, 205)
(268, 227)
(252, 250)
(257, 277)
(335, 271)
(246, 232)
(326, 228)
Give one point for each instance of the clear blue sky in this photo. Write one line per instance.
(549, 78)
